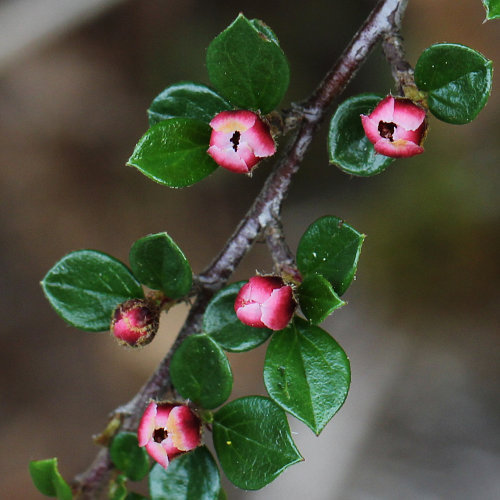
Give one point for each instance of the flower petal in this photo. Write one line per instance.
(230, 121)
(384, 111)
(184, 428)
(259, 139)
(229, 159)
(398, 149)
(250, 314)
(157, 452)
(278, 309)
(162, 412)
(147, 424)
(371, 129)
(261, 287)
(408, 114)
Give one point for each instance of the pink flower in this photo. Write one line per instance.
(167, 430)
(239, 140)
(396, 127)
(265, 301)
(135, 322)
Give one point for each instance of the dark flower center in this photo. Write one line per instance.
(160, 434)
(386, 130)
(235, 140)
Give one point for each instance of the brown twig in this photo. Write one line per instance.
(265, 211)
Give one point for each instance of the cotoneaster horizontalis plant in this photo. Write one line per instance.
(163, 430)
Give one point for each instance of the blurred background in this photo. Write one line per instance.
(422, 325)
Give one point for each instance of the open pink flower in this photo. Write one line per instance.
(239, 140)
(167, 430)
(396, 127)
(135, 322)
(265, 301)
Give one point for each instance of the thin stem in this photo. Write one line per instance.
(265, 210)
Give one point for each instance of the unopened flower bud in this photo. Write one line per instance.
(265, 301)
(167, 430)
(135, 322)
(396, 127)
(239, 140)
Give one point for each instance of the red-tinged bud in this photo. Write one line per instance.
(167, 430)
(265, 301)
(239, 140)
(396, 127)
(135, 322)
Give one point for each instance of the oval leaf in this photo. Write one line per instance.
(128, 457)
(307, 373)
(118, 488)
(191, 476)
(492, 9)
(317, 298)
(200, 371)
(174, 152)
(159, 263)
(253, 442)
(348, 146)
(47, 479)
(331, 248)
(222, 324)
(85, 286)
(457, 79)
(186, 100)
(247, 66)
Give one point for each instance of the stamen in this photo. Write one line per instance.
(386, 130)
(160, 434)
(235, 140)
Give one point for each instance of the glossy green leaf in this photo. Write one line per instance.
(222, 324)
(128, 457)
(348, 146)
(46, 478)
(247, 66)
(253, 442)
(317, 298)
(457, 79)
(159, 263)
(186, 100)
(492, 9)
(200, 371)
(307, 373)
(330, 247)
(85, 287)
(174, 152)
(191, 476)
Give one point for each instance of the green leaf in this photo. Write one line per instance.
(222, 495)
(135, 496)
(317, 298)
(247, 66)
(330, 247)
(457, 79)
(128, 457)
(348, 146)
(191, 476)
(307, 373)
(174, 152)
(492, 9)
(159, 263)
(46, 478)
(222, 324)
(186, 100)
(85, 287)
(200, 371)
(253, 442)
